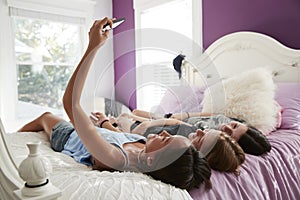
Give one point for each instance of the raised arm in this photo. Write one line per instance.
(185, 115)
(71, 98)
(95, 144)
(179, 116)
(148, 115)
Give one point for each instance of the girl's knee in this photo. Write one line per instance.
(46, 114)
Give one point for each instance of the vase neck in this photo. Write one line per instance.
(33, 148)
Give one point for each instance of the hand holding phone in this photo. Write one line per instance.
(116, 23)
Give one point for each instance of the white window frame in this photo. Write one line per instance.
(142, 5)
(8, 73)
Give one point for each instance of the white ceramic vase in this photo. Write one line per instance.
(34, 170)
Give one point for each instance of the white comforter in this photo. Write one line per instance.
(76, 181)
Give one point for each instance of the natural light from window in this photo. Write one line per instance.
(46, 53)
(156, 68)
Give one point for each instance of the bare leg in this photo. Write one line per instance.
(45, 122)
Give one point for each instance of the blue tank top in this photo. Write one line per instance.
(75, 148)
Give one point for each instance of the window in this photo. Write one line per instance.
(43, 43)
(176, 18)
(46, 53)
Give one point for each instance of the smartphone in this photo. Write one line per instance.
(116, 23)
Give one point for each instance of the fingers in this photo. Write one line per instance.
(96, 113)
(99, 24)
(93, 117)
(96, 36)
(97, 118)
(107, 21)
(95, 22)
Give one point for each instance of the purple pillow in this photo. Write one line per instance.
(182, 99)
(288, 97)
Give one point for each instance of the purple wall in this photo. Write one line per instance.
(279, 19)
(124, 54)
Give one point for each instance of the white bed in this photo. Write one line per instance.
(73, 180)
(229, 55)
(76, 181)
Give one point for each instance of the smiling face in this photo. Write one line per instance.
(199, 137)
(234, 129)
(163, 149)
(164, 139)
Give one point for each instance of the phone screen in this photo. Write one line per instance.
(116, 23)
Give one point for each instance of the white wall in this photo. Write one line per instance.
(100, 81)
(7, 66)
(103, 62)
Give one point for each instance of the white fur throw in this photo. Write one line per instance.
(248, 96)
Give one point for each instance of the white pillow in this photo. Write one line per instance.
(248, 96)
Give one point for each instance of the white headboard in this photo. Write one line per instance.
(241, 51)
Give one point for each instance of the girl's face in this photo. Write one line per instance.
(159, 141)
(161, 149)
(234, 129)
(197, 138)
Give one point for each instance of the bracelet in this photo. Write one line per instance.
(106, 120)
(188, 115)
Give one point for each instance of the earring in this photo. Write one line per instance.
(149, 161)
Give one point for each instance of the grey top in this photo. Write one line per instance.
(208, 122)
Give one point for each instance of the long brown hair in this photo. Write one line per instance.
(227, 155)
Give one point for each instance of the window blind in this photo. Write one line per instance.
(19, 12)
